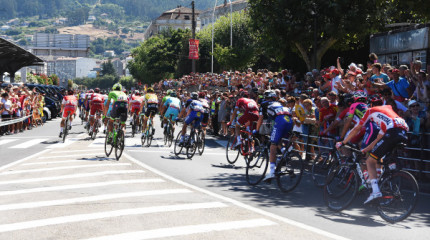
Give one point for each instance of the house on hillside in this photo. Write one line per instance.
(91, 19)
(177, 18)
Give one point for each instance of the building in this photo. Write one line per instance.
(60, 45)
(69, 68)
(178, 18)
(402, 46)
(222, 10)
(119, 66)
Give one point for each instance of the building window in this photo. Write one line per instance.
(187, 17)
(393, 59)
(421, 55)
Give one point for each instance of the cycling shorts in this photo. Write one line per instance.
(281, 128)
(80, 102)
(96, 106)
(68, 108)
(391, 138)
(197, 117)
(135, 110)
(119, 110)
(172, 111)
(248, 117)
(205, 119)
(151, 109)
(371, 132)
(87, 106)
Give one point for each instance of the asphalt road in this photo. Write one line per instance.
(33, 166)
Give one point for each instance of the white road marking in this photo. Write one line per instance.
(71, 176)
(30, 143)
(98, 142)
(190, 229)
(73, 151)
(6, 141)
(237, 203)
(23, 160)
(66, 156)
(53, 162)
(28, 205)
(109, 214)
(66, 167)
(79, 186)
(61, 144)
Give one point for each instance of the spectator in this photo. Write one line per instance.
(378, 76)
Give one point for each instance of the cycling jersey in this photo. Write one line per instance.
(385, 118)
(196, 114)
(135, 101)
(173, 105)
(151, 98)
(119, 105)
(70, 102)
(117, 96)
(247, 105)
(194, 105)
(357, 111)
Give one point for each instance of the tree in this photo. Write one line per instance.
(127, 82)
(77, 16)
(108, 69)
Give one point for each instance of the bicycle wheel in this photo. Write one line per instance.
(341, 187)
(289, 171)
(66, 129)
(178, 149)
(119, 148)
(231, 154)
(399, 196)
(191, 146)
(108, 146)
(201, 143)
(170, 136)
(252, 149)
(166, 135)
(149, 135)
(256, 167)
(133, 129)
(321, 167)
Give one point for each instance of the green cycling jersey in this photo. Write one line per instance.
(117, 96)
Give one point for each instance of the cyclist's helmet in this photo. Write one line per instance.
(97, 90)
(360, 96)
(244, 93)
(117, 87)
(169, 92)
(150, 90)
(376, 100)
(70, 92)
(91, 91)
(173, 94)
(202, 95)
(270, 94)
(136, 92)
(194, 96)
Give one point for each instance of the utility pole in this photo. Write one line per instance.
(193, 19)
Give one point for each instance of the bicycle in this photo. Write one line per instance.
(148, 133)
(66, 128)
(191, 142)
(96, 125)
(168, 132)
(397, 187)
(115, 140)
(325, 161)
(246, 148)
(289, 167)
(134, 125)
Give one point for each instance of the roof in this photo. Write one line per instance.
(178, 13)
(13, 57)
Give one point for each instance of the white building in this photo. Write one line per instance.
(69, 68)
(222, 10)
(178, 18)
(60, 45)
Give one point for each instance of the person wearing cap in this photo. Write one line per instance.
(335, 80)
(398, 85)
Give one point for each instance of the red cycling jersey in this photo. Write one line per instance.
(70, 102)
(247, 105)
(96, 97)
(385, 118)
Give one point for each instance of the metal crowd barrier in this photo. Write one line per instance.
(422, 161)
(13, 121)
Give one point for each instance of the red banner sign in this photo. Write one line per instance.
(194, 49)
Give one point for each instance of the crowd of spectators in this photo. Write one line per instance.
(17, 102)
(316, 97)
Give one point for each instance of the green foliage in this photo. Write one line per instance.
(13, 32)
(100, 45)
(114, 11)
(103, 82)
(108, 69)
(77, 16)
(54, 79)
(70, 84)
(128, 82)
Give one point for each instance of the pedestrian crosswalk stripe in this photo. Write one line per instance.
(71, 176)
(80, 186)
(109, 214)
(73, 151)
(29, 205)
(66, 167)
(30, 143)
(6, 141)
(190, 229)
(71, 155)
(53, 162)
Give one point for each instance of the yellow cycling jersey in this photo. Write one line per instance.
(151, 98)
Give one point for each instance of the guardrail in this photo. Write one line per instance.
(13, 121)
(409, 155)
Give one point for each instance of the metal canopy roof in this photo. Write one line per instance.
(13, 57)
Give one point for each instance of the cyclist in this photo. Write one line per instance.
(119, 107)
(87, 102)
(249, 109)
(68, 107)
(172, 106)
(194, 113)
(392, 131)
(81, 102)
(106, 111)
(151, 108)
(283, 125)
(355, 113)
(136, 101)
(96, 104)
(206, 111)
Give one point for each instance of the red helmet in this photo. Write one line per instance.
(202, 95)
(97, 90)
(91, 91)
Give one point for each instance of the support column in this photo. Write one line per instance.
(24, 74)
(12, 77)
